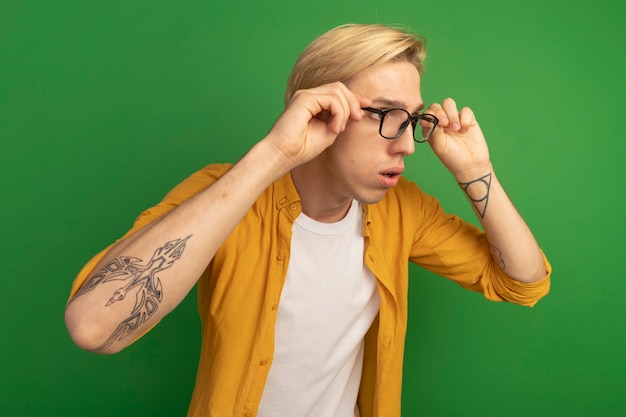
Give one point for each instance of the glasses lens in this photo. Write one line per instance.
(394, 123)
(428, 123)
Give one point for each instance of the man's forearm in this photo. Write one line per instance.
(147, 274)
(513, 245)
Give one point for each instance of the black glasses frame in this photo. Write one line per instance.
(409, 118)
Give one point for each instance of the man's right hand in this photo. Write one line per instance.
(312, 120)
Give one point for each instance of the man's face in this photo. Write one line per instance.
(362, 164)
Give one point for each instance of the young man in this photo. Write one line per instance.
(301, 249)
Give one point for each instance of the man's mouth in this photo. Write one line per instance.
(390, 178)
(391, 174)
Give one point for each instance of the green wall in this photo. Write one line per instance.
(104, 106)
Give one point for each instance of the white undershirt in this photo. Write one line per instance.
(328, 303)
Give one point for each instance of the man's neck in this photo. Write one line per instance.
(318, 201)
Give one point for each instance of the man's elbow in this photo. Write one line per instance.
(88, 334)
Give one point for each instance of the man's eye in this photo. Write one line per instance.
(375, 116)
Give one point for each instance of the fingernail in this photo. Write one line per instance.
(455, 126)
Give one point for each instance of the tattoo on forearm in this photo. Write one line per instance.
(478, 193)
(497, 255)
(139, 277)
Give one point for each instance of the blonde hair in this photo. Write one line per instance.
(346, 50)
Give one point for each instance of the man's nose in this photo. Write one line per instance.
(404, 143)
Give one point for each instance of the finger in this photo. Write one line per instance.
(328, 103)
(343, 106)
(467, 118)
(352, 103)
(436, 110)
(437, 141)
(355, 102)
(358, 114)
(452, 113)
(436, 138)
(334, 104)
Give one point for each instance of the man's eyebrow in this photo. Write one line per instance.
(385, 102)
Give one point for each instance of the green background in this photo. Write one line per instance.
(104, 106)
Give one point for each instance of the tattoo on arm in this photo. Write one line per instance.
(139, 277)
(497, 255)
(478, 193)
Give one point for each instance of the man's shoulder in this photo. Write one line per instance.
(406, 197)
(404, 189)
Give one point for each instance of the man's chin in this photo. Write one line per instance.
(373, 198)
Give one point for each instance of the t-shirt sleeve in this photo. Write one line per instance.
(451, 247)
(195, 183)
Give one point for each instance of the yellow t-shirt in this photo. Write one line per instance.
(238, 294)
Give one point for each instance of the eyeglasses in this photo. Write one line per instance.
(393, 123)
